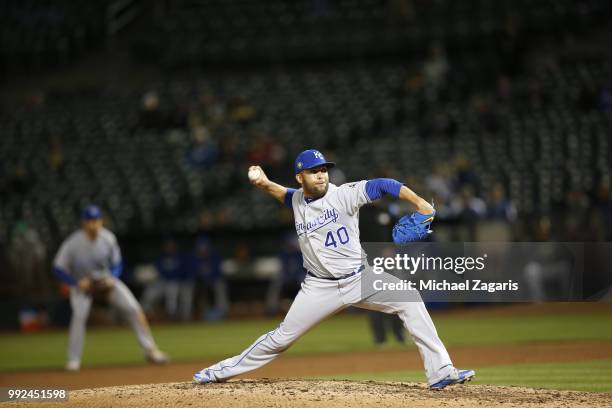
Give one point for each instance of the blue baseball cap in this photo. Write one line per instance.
(309, 159)
(91, 212)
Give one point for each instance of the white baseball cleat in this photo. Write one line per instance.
(203, 377)
(73, 365)
(455, 377)
(156, 356)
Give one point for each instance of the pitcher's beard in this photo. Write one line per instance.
(316, 192)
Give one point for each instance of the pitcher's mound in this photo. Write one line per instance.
(307, 393)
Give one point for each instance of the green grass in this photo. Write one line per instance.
(115, 346)
(580, 376)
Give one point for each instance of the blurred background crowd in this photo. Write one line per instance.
(501, 112)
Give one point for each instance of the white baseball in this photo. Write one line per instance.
(254, 174)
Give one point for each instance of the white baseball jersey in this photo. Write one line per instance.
(328, 230)
(80, 257)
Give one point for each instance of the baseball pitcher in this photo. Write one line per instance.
(327, 226)
(89, 261)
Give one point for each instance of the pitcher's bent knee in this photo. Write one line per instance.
(280, 340)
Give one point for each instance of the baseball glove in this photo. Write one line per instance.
(101, 288)
(413, 227)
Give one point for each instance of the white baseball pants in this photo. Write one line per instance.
(320, 298)
(121, 298)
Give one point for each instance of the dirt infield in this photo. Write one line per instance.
(146, 385)
(317, 365)
(302, 393)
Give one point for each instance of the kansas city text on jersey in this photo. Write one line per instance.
(327, 216)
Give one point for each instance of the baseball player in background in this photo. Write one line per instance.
(89, 260)
(327, 225)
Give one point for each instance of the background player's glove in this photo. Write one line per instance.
(413, 227)
(101, 288)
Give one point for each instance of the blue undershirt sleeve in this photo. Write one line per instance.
(117, 269)
(288, 197)
(64, 276)
(376, 188)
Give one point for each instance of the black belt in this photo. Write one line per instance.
(361, 268)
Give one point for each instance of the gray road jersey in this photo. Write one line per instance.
(328, 229)
(80, 257)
